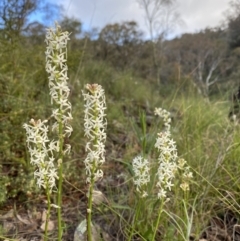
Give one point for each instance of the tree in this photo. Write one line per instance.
(17, 26)
(232, 24)
(118, 42)
(202, 56)
(15, 15)
(161, 18)
(71, 25)
(121, 34)
(35, 32)
(234, 32)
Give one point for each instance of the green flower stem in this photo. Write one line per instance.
(89, 207)
(48, 213)
(60, 173)
(158, 220)
(136, 215)
(89, 212)
(144, 131)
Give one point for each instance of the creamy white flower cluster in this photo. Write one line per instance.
(56, 67)
(167, 159)
(165, 115)
(94, 127)
(141, 174)
(168, 163)
(186, 175)
(41, 153)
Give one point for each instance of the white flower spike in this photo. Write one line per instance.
(94, 127)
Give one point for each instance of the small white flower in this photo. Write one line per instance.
(67, 149)
(167, 156)
(168, 159)
(187, 175)
(41, 153)
(53, 146)
(141, 174)
(185, 186)
(56, 57)
(162, 194)
(165, 115)
(94, 129)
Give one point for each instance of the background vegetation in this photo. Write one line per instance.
(192, 76)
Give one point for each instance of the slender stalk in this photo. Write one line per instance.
(91, 186)
(48, 213)
(144, 132)
(158, 220)
(60, 170)
(59, 202)
(89, 213)
(135, 219)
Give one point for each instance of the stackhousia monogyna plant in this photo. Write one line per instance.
(48, 155)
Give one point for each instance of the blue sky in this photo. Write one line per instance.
(196, 14)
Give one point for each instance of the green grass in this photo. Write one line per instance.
(204, 136)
